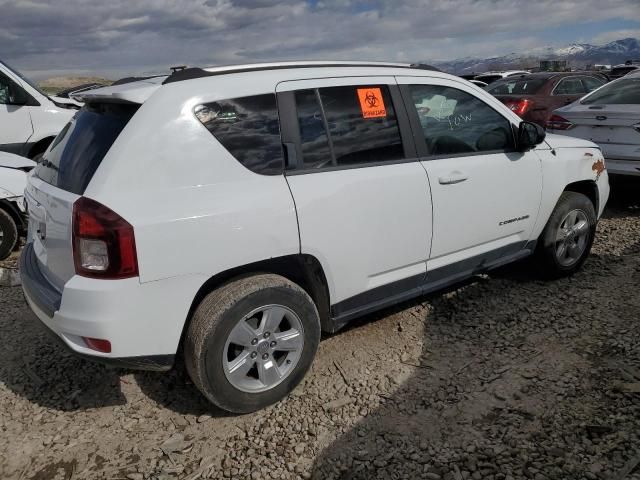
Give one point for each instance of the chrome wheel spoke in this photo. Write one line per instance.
(240, 366)
(269, 373)
(242, 334)
(289, 341)
(581, 227)
(271, 319)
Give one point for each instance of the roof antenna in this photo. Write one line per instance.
(178, 68)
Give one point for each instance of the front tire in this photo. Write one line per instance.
(566, 240)
(251, 341)
(8, 234)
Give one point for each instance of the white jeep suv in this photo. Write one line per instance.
(232, 214)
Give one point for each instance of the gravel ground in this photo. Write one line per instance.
(506, 377)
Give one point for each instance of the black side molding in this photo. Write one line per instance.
(38, 288)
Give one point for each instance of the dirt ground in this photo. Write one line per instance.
(506, 377)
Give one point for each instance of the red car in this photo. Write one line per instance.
(534, 96)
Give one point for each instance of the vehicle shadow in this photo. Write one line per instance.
(35, 366)
(512, 379)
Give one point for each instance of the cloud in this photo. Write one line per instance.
(607, 37)
(123, 37)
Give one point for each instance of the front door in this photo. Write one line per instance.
(361, 195)
(14, 118)
(485, 195)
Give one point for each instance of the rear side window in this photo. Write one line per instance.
(455, 122)
(625, 91)
(348, 126)
(570, 86)
(525, 86)
(78, 150)
(249, 129)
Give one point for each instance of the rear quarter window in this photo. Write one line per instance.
(248, 127)
(78, 150)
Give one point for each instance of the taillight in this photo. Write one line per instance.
(519, 107)
(104, 244)
(556, 122)
(98, 344)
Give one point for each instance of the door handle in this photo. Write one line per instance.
(452, 178)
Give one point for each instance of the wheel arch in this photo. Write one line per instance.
(302, 269)
(14, 213)
(589, 189)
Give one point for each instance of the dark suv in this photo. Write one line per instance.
(534, 96)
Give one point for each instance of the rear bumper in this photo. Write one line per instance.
(143, 322)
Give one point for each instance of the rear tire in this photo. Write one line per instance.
(251, 341)
(566, 240)
(8, 234)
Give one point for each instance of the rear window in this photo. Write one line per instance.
(524, 86)
(625, 91)
(78, 150)
(249, 129)
(620, 71)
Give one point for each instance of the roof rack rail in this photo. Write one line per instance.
(196, 72)
(124, 80)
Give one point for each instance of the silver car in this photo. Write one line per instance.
(610, 117)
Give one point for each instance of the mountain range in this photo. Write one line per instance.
(577, 55)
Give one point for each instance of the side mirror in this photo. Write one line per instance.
(529, 135)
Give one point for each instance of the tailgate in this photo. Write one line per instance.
(50, 223)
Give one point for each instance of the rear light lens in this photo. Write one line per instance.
(104, 244)
(519, 107)
(556, 122)
(98, 344)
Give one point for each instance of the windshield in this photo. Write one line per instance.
(625, 91)
(25, 79)
(78, 150)
(521, 86)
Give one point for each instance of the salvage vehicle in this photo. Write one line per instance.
(610, 117)
(304, 195)
(29, 117)
(534, 96)
(13, 213)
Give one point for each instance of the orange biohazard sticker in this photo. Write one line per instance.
(371, 103)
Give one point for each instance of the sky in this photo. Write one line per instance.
(115, 38)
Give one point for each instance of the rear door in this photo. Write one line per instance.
(485, 195)
(362, 198)
(62, 177)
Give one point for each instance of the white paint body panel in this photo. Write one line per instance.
(12, 180)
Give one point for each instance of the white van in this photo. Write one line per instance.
(29, 118)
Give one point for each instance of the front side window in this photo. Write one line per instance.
(249, 129)
(348, 126)
(455, 122)
(570, 86)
